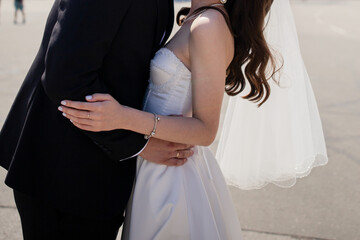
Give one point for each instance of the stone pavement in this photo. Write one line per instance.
(325, 205)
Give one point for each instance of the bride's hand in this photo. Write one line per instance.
(101, 112)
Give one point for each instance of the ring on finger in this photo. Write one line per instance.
(177, 155)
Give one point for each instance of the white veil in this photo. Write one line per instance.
(283, 139)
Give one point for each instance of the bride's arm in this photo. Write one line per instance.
(211, 51)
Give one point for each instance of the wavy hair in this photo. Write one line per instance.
(253, 61)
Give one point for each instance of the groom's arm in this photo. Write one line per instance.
(79, 42)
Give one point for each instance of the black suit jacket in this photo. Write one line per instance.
(89, 46)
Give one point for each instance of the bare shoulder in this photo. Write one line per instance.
(210, 31)
(210, 23)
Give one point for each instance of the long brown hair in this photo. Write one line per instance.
(253, 60)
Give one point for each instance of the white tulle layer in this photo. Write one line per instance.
(283, 139)
(276, 143)
(285, 181)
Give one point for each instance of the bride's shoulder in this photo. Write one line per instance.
(211, 30)
(210, 21)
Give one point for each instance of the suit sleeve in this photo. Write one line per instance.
(79, 42)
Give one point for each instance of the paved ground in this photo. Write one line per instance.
(325, 205)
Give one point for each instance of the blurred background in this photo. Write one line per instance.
(324, 205)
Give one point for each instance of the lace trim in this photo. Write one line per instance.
(166, 67)
(284, 181)
(181, 72)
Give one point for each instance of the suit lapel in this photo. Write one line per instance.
(165, 20)
(170, 23)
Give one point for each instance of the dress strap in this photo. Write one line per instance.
(201, 10)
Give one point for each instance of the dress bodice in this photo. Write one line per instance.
(194, 195)
(169, 90)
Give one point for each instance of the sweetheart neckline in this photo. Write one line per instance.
(176, 57)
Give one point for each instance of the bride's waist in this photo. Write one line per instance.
(163, 106)
(201, 163)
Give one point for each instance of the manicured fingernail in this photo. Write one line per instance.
(63, 102)
(71, 120)
(64, 114)
(88, 97)
(60, 109)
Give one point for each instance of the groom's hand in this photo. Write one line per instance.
(167, 153)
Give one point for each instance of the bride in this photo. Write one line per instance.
(220, 45)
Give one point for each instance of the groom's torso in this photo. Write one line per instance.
(49, 158)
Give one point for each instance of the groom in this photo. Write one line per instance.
(72, 184)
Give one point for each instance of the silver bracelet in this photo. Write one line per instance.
(156, 120)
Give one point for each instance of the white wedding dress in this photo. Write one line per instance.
(187, 202)
(277, 143)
